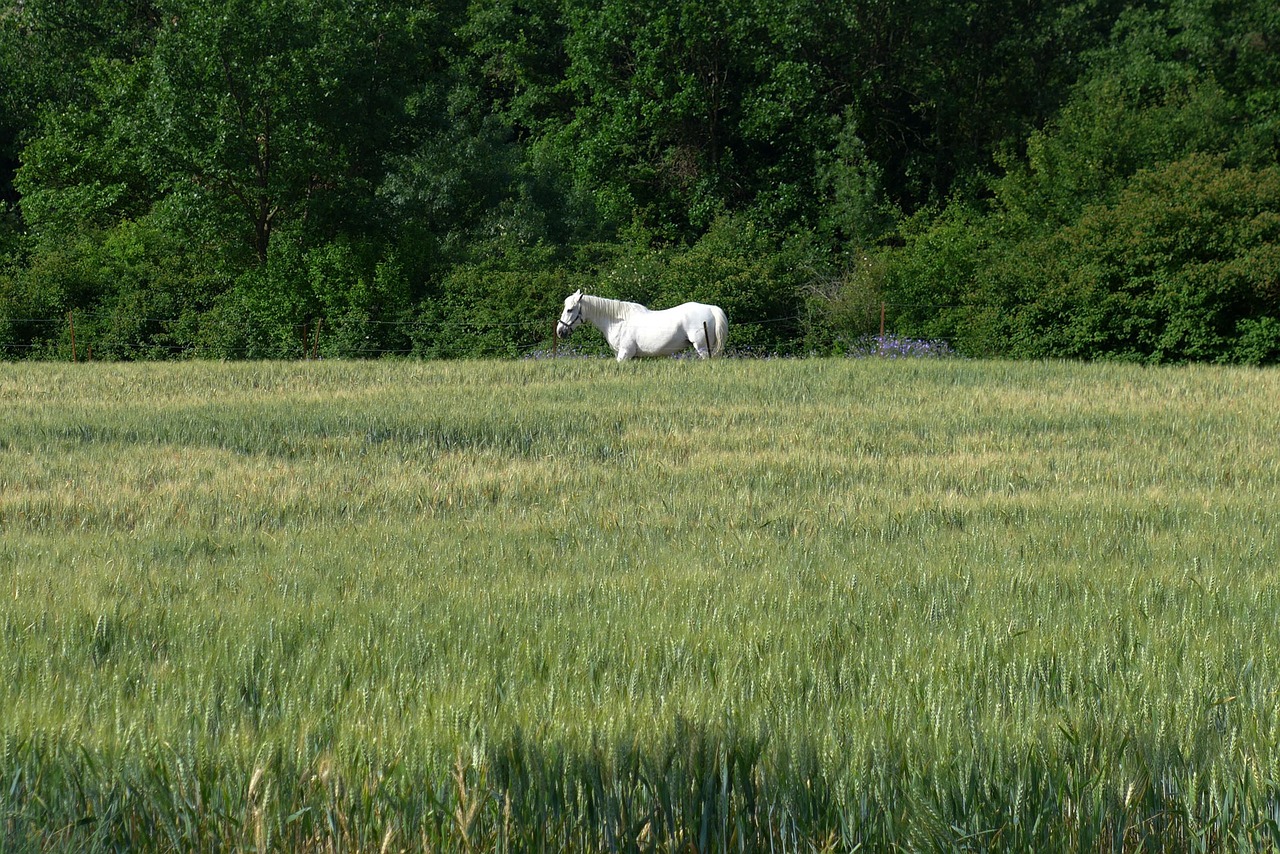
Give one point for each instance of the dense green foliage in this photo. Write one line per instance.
(1095, 179)
(787, 605)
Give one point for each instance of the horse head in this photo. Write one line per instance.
(571, 318)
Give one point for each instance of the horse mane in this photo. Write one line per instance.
(614, 309)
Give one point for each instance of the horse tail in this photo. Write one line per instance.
(720, 331)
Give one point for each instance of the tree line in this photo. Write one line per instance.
(1023, 178)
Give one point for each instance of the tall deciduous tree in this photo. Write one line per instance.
(67, 69)
(281, 110)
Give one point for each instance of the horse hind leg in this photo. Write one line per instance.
(701, 341)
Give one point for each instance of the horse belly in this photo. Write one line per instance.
(661, 339)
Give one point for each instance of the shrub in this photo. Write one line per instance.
(503, 305)
(362, 301)
(1181, 265)
(135, 289)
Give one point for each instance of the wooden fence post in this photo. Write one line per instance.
(880, 340)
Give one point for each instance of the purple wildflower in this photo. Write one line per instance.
(898, 347)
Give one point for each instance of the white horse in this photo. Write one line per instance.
(633, 330)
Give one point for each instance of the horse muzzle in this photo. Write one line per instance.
(563, 330)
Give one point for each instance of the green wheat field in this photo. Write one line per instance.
(574, 605)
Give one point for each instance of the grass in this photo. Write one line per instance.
(791, 605)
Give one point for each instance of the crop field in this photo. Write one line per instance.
(570, 604)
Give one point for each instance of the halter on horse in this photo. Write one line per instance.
(633, 330)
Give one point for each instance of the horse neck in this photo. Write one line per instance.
(601, 310)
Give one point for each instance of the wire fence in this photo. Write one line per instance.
(73, 335)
